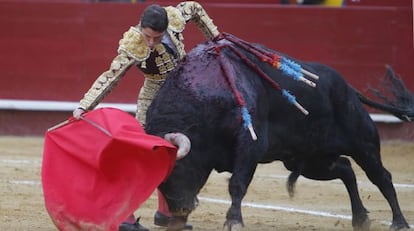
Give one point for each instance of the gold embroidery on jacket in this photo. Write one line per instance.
(133, 43)
(165, 62)
(106, 81)
(176, 21)
(195, 12)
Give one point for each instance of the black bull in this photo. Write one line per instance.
(196, 100)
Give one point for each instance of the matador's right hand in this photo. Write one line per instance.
(78, 112)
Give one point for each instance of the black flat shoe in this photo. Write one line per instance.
(124, 226)
(162, 220)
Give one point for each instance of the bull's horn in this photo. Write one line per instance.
(181, 141)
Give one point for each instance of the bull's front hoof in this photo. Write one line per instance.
(400, 226)
(363, 226)
(233, 225)
(400, 229)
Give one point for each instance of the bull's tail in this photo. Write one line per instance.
(293, 177)
(401, 104)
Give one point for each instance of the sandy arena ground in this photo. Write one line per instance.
(316, 206)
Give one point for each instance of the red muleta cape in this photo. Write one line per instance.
(98, 170)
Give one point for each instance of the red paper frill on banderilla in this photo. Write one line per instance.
(98, 170)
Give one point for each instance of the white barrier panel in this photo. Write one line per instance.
(47, 105)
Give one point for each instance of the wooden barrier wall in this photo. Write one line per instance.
(54, 50)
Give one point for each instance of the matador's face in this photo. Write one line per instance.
(151, 36)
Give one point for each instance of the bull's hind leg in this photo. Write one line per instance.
(340, 169)
(372, 165)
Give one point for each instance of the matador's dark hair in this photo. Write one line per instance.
(155, 17)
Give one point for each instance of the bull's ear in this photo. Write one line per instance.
(181, 141)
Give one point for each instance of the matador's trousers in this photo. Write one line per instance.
(147, 93)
